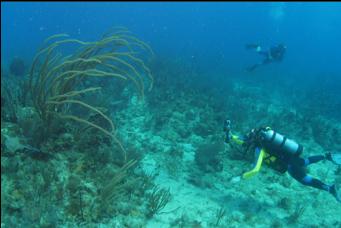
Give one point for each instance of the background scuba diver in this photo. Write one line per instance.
(281, 154)
(275, 54)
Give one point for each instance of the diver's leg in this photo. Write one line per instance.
(315, 183)
(252, 46)
(313, 159)
(299, 174)
(258, 49)
(253, 67)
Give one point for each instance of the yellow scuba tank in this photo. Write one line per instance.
(279, 142)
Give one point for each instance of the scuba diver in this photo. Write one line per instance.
(274, 54)
(281, 154)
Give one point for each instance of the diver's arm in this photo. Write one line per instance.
(237, 139)
(229, 136)
(259, 154)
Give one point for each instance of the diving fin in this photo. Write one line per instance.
(335, 193)
(336, 158)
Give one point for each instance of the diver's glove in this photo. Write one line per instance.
(227, 130)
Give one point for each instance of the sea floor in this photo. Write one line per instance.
(168, 141)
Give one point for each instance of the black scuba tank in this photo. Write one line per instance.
(279, 142)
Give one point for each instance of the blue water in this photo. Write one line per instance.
(214, 33)
(211, 36)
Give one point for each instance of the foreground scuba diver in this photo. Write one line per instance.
(281, 154)
(275, 54)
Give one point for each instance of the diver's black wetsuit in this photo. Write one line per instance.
(296, 170)
(275, 54)
(295, 165)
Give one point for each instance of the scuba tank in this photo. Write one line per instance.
(279, 142)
